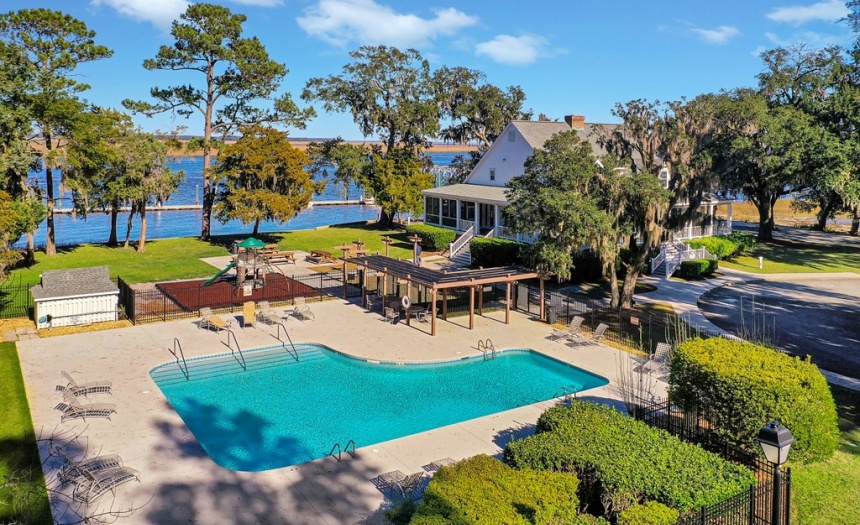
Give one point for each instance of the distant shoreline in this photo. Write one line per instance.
(303, 145)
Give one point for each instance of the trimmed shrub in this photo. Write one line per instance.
(433, 238)
(623, 461)
(721, 247)
(697, 268)
(650, 513)
(490, 253)
(483, 490)
(747, 385)
(745, 242)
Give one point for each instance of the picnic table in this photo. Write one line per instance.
(319, 256)
(282, 257)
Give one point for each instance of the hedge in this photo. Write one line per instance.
(624, 462)
(433, 238)
(721, 247)
(745, 242)
(651, 513)
(490, 253)
(696, 268)
(747, 385)
(483, 490)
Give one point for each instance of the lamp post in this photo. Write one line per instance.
(416, 241)
(776, 441)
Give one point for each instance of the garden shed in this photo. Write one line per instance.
(74, 297)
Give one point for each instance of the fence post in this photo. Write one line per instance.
(787, 497)
(752, 513)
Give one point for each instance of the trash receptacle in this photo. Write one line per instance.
(551, 316)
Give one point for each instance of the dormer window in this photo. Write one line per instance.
(492, 173)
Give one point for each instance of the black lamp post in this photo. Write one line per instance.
(776, 441)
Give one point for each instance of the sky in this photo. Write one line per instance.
(569, 56)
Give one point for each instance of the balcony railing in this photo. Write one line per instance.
(463, 225)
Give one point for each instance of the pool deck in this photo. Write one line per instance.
(178, 481)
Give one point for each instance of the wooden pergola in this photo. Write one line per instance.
(441, 281)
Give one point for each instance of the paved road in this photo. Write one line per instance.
(802, 235)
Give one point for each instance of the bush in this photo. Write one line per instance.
(433, 238)
(483, 490)
(743, 240)
(586, 267)
(401, 513)
(747, 385)
(721, 247)
(623, 461)
(651, 513)
(697, 268)
(490, 253)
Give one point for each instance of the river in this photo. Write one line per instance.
(186, 223)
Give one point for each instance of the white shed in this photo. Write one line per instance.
(76, 296)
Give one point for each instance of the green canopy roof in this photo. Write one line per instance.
(252, 243)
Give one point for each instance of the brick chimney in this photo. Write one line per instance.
(575, 121)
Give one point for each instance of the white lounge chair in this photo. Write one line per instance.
(391, 315)
(74, 472)
(74, 409)
(598, 333)
(572, 330)
(77, 389)
(659, 361)
(301, 310)
(96, 484)
(210, 320)
(268, 315)
(405, 485)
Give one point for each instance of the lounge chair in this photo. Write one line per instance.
(96, 484)
(572, 330)
(73, 409)
(301, 310)
(249, 314)
(407, 486)
(74, 472)
(268, 315)
(210, 320)
(598, 333)
(84, 389)
(659, 361)
(391, 315)
(434, 466)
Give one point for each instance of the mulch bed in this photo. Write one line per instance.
(192, 295)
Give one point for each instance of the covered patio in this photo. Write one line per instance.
(426, 285)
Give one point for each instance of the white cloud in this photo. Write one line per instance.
(259, 3)
(718, 35)
(513, 50)
(158, 12)
(829, 11)
(340, 22)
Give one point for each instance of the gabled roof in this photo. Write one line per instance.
(536, 133)
(476, 192)
(75, 282)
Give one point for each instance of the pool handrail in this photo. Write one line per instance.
(487, 348)
(295, 353)
(340, 450)
(241, 355)
(183, 366)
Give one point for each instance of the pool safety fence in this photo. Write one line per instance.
(183, 299)
(638, 328)
(699, 424)
(16, 299)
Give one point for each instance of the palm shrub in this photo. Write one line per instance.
(746, 385)
(433, 238)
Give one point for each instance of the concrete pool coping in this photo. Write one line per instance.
(180, 483)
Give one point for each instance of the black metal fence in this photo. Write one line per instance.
(16, 300)
(695, 425)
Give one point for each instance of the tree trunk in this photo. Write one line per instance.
(855, 221)
(385, 219)
(50, 242)
(141, 245)
(31, 247)
(206, 230)
(765, 219)
(128, 228)
(114, 214)
(256, 228)
(615, 298)
(824, 214)
(629, 286)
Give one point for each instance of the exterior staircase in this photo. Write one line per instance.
(462, 258)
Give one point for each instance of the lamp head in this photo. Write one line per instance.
(775, 441)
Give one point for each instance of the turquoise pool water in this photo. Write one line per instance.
(281, 412)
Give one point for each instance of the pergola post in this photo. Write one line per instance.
(364, 285)
(481, 300)
(471, 307)
(508, 302)
(408, 287)
(384, 283)
(445, 304)
(344, 278)
(433, 313)
(542, 301)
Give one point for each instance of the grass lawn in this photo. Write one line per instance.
(328, 238)
(784, 214)
(828, 493)
(18, 453)
(786, 257)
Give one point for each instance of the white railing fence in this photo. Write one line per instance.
(463, 240)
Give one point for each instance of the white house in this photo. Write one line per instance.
(475, 206)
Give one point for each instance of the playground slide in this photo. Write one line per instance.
(220, 274)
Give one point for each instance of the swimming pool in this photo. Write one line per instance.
(278, 411)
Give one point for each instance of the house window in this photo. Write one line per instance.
(449, 213)
(467, 211)
(432, 206)
(492, 173)
(512, 137)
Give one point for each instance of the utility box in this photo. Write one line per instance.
(74, 297)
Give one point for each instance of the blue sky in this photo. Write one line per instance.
(569, 56)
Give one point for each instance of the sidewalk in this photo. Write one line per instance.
(683, 296)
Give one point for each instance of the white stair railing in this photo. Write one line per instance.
(464, 239)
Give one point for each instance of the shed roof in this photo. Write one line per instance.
(74, 282)
(440, 279)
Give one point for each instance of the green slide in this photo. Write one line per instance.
(221, 273)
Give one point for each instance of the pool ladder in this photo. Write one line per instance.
(487, 348)
(295, 353)
(182, 365)
(241, 358)
(566, 391)
(339, 455)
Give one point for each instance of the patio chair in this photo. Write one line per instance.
(73, 409)
(96, 484)
(598, 333)
(74, 472)
(249, 314)
(83, 389)
(210, 320)
(572, 330)
(426, 315)
(406, 486)
(268, 315)
(391, 315)
(659, 361)
(369, 303)
(301, 310)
